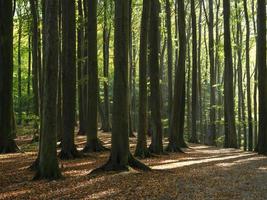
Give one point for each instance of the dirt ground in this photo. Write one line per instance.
(201, 173)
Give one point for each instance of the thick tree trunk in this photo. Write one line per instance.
(7, 143)
(121, 158)
(229, 113)
(48, 164)
(261, 62)
(156, 145)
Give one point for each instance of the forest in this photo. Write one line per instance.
(133, 99)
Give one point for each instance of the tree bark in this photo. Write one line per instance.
(48, 164)
(229, 114)
(156, 145)
(261, 62)
(7, 142)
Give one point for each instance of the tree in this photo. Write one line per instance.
(229, 114)
(170, 59)
(35, 78)
(176, 137)
(106, 40)
(194, 138)
(141, 147)
(48, 164)
(68, 150)
(212, 136)
(120, 157)
(261, 61)
(93, 143)
(7, 142)
(250, 122)
(156, 145)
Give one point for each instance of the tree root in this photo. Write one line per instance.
(94, 146)
(35, 165)
(117, 167)
(143, 153)
(71, 154)
(173, 148)
(50, 175)
(10, 147)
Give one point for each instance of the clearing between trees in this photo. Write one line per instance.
(202, 172)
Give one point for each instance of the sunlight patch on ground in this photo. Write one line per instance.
(13, 194)
(238, 162)
(102, 194)
(193, 162)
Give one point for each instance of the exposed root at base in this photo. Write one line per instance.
(69, 155)
(94, 146)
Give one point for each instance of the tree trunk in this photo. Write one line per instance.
(106, 38)
(250, 122)
(48, 164)
(261, 62)
(68, 150)
(229, 114)
(93, 144)
(121, 158)
(141, 147)
(156, 145)
(176, 138)
(7, 143)
(194, 138)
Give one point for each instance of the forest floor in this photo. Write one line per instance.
(202, 172)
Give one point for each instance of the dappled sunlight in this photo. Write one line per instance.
(194, 162)
(13, 194)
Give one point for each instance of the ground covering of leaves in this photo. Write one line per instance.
(201, 173)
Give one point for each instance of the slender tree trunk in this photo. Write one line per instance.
(250, 125)
(68, 150)
(176, 138)
(93, 144)
(170, 60)
(106, 38)
(194, 138)
(141, 147)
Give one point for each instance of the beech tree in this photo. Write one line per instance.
(7, 143)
